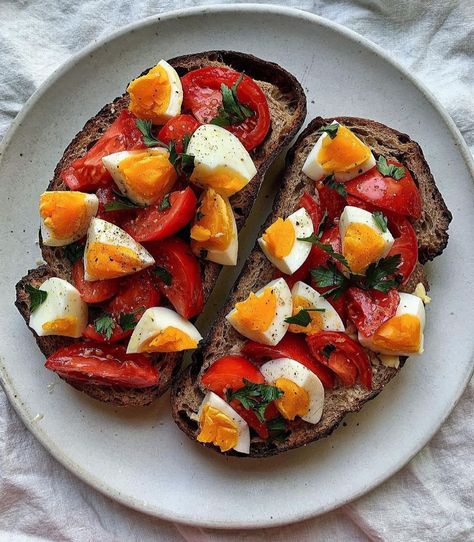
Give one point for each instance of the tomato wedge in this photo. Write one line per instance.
(118, 334)
(406, 244)
(88, 173)
(103, 365)
(291, 346)
(229, 372)
(369, 309)
(325, 344)
(153, 223)
(343, 367)
(93, 291)
(185, 290)
(312, 206)
(137, 293)
(401, 197)
(202, 97)
(331, 202)
(176, 128)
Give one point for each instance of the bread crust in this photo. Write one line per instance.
(287, 103)
(187, 394)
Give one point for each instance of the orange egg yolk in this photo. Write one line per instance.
(64, 213)
(343, 153)
(399, 334)
(218, 429)
(109, 261)
(280, 238)
(294, 401)
(148, 175)
(316, 324)
(222, 179)
(361, 246)
(213, 228)
(61, 326)
(150, 95)
(257, 312)
(171, 339)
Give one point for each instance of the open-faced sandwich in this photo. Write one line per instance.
(331, 301)
(144, 209)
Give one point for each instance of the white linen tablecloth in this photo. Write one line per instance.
(432, 499)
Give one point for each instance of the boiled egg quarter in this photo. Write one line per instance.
(214, 232)
(144, 177)
(280, 242)
(221, 161)
(65, 216)
(345, 156)
(261, 317)
(163, 330)
(63, 312)
(222, 426)
(157, 95)
(303, 392)
(363, 241)
(325, 318)
(402, 335)
(111, 252)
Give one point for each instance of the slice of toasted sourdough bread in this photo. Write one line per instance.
(187, 392)
(287, 104)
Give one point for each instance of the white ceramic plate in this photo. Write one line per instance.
(138, 456)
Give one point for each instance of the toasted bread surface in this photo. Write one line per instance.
(187, 393)
(287, 104)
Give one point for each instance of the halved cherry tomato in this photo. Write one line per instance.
(185, 292)
(203, 97)
(291, 346)
(369, 309)
(118, 334)
(325, 344)
(314, 209)
(103, 365)
(176, 128)
(331, 202)
(228, 373)
(406, 244)
(152, 224)
(93, 291)
(88, 173)
(401, 197)
(107, 195)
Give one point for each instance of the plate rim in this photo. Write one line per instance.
(129, 500)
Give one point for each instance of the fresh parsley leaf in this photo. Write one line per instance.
(380, 220)
(340, 188)
(183, 163)
(302, 318)
(277, 428)
(37, 296)
(330, 277)
(163, 274)
(145, 127)
(255, 397)
(322, 224)
(390, 170)
(232, 111)
(165, 203)
(186, 139)
(314, 239)
(74, 251)
(120, 204)
(199, 216)
(329, 129)
(376, 276)
(105, 325)
(328, 350)
(127, 320)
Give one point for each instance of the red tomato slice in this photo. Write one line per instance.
(103, 365)
(401, 197)
(137, 293)
(341, 344)
(118, 334)
(105, 195)
(185, 292)
(229, 372)
(344, 368)
(176, 128)
(314, 210)
(203, 97)
(153, 224)
(370, 309)
(88, 173)
(331, 202)
(291, 346)
(406, 244)
(95, 291)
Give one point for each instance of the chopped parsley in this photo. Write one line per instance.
(255, 397)
(390, 170)
(105, 324)
(232, 111)
(74, 251)
(329, 129)
(330, 182)
(37, 296)
(377, 274)
(163, 274)
(145, 127)
(302, 318)
(182, 162)
(165, 203)
(380, 220)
